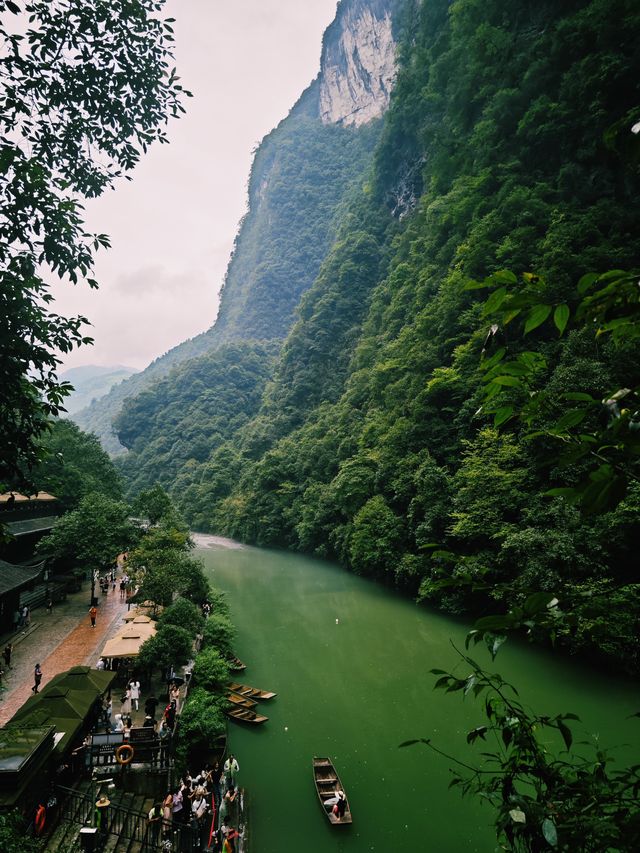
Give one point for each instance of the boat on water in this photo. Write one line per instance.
(236, 665)
(245, 715)
(242, 701)
(249, 692)
(328, 786)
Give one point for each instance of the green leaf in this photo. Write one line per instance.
(504, 277)
(509, 381)
(476, 733)
(495, 358)
(561, 317)
(494, 623)
(565, 731)
(494, 301)
(570, 419)
(586, 281)
(510, 315)
(537, 602)
(578, 397)
(563, 492)
(537, 316)
(550, 832)
(502, 415)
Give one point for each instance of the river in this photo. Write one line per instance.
(350, 663)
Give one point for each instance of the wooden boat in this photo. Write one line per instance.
(245, 715)
(236, 665)
(240, 700)
(328, 784)
(249, 692)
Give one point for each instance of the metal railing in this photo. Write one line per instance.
(130, 826)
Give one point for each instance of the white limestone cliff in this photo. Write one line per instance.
(358, 63)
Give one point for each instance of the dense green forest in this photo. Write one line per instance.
(302, 175)
(177, 424)
(500, 151)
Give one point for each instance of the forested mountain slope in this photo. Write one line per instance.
(498, 152)
(303, 172)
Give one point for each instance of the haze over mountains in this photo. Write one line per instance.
(91, 382)
(339, 406)
(303, 171)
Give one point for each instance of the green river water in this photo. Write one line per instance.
(350, 663)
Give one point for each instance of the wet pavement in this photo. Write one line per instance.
(57, 641)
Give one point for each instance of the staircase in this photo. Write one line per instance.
(126, 830)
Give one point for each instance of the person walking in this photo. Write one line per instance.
(154, 821)
(37, 678)
(6, 654)
(93, 612)
(174, 695)
(134, 687)
(125, 709)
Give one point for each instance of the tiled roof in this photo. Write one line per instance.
(31, 525)
(15, 577)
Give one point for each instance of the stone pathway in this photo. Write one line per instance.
(58, 641)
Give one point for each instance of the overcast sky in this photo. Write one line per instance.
(172, 227)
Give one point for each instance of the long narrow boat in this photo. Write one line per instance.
(236, 665)
(249, 692)
(245, 715)
(328, 785)
(240, 700)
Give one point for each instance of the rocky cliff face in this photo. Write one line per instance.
(302, 172)
(358, 65)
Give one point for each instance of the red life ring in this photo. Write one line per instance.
(124, 753)
(40, 819)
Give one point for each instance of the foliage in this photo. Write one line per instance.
(185, 614)
(546, 793)
(376, 439)
(153, 504)
(604, 432)
(302, 175)
(211, 671)
(13, 838)
(85, 91)
(170, 572)
(73, 465)
(219, 633)
(218, 602)
(92, 535)
(171, 645)
(200, 722)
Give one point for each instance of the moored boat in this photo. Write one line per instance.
(329, 787)
(249, 692)
(245, 715)
(243, 701)
(236, 665)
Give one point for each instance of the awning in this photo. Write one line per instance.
(83, 678)
(127, 642)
